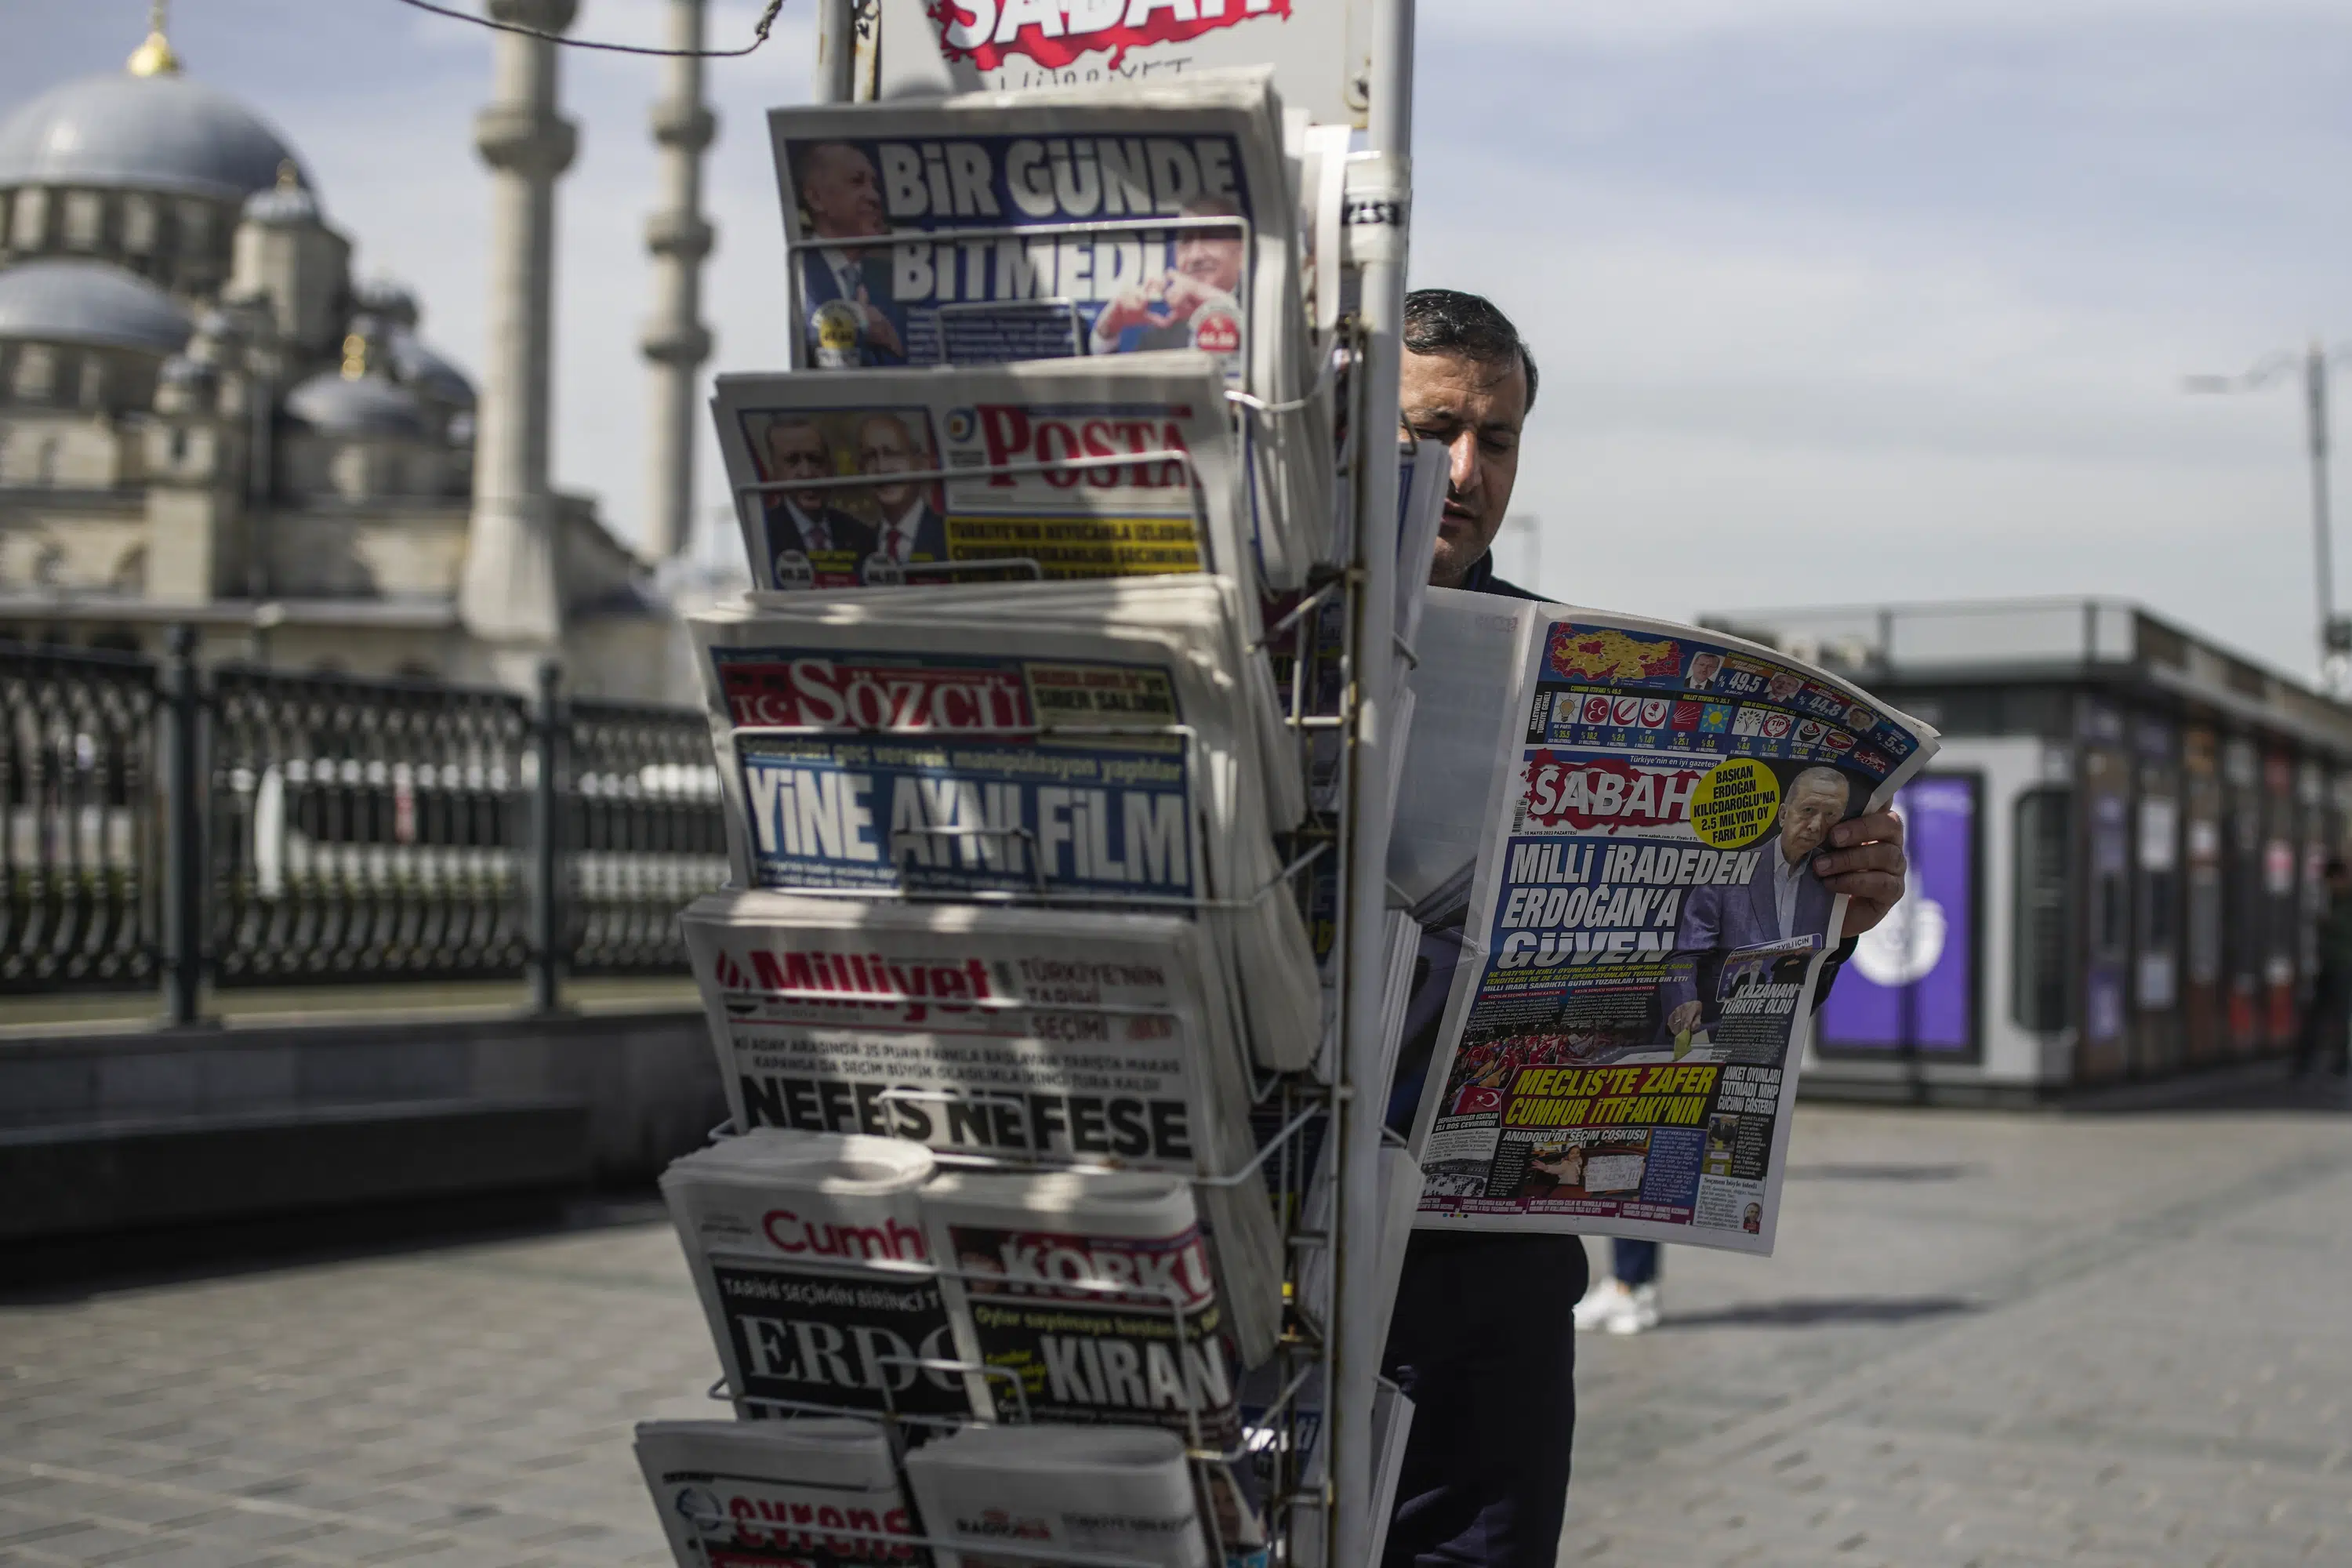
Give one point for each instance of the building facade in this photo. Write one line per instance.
(2116, 856)
(206, 418)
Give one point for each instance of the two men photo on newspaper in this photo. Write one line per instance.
(1483, 1338)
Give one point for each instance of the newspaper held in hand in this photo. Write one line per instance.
(889, 743)
(1122, 1495)
(1175, 508)
(987, 228)
(1093, 1290)
(809, 1253)
(811, 1494)
(1027, 1036)
(1645, 932)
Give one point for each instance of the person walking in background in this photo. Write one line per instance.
(2326, 1033)
(1626, 1299)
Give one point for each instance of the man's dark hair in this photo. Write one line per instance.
(2336, 866)
(1448, 322)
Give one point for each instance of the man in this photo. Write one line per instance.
(840, 198)
(1481, 1337)
(911, 532)
(1176, 309)
(2324, 1036)
(806, 520)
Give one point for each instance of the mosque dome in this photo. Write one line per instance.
(88, 302)
(155, 133)
(332, 404)
(429, 372)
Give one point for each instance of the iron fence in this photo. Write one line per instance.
(318, 830)
(78, 768)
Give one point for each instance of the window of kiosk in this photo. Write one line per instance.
(2044, 916)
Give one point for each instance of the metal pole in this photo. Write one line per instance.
(2314, 380)
(837, 51)
(546, 846)
(1378, 228)
(183, 831)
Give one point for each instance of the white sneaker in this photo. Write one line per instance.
(1602, 1304)
(1641, 1311)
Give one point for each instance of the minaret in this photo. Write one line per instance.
(675, 341)
(509, 592)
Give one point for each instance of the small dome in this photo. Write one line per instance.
(382, 297)
(160, 132)
(336, 404)
(88, 302)
(429, 372)
(286, 205)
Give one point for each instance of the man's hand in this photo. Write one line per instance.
(1137, 305)
(1684, 1018)
(1865, 861)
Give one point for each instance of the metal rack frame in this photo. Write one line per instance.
(1335, 1337)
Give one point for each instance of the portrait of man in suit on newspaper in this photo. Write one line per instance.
(1195, 303)
(846, 300)
(807, 522)
(909, 530)
(1782, 900)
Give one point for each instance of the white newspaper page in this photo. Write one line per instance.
(1645, 933)
(843, 513)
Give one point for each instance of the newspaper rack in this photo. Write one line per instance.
(1331, 1340)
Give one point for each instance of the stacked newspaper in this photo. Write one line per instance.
(992, 1495)
(989, 227)
(1644, 935)
(883, 746)
(1055, 469)
(1095, 1294)
(1023, 1034)
(814, 1493)
(809, 1252)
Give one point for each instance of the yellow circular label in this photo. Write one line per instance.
(837, 325)
(1735, 805)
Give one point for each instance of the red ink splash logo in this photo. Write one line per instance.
(1055, 33)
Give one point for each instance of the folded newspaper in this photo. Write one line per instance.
(1015, 1497)
(878, 745)
(1025, 1035)
(811, 1494)
(1644, 936)
(809, 1253)
(990, 228)
(1093, 1292)
(1062, 468)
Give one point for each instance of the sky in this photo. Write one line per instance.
(1837, 302)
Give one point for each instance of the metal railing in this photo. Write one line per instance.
(319, 830)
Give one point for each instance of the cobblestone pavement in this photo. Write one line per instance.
(1986, 1338)
(1993, 1340)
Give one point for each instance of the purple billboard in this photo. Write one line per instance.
(1911, 983)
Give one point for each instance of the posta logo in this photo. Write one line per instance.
(1019, 435)
(1607, 793)
(991, 33)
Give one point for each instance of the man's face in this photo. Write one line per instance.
(885, 447)
(1475, 410)
(799, 452)
(1806, 818)
(1213, 258)
(843, 198)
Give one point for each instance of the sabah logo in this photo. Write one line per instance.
(990, 33)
